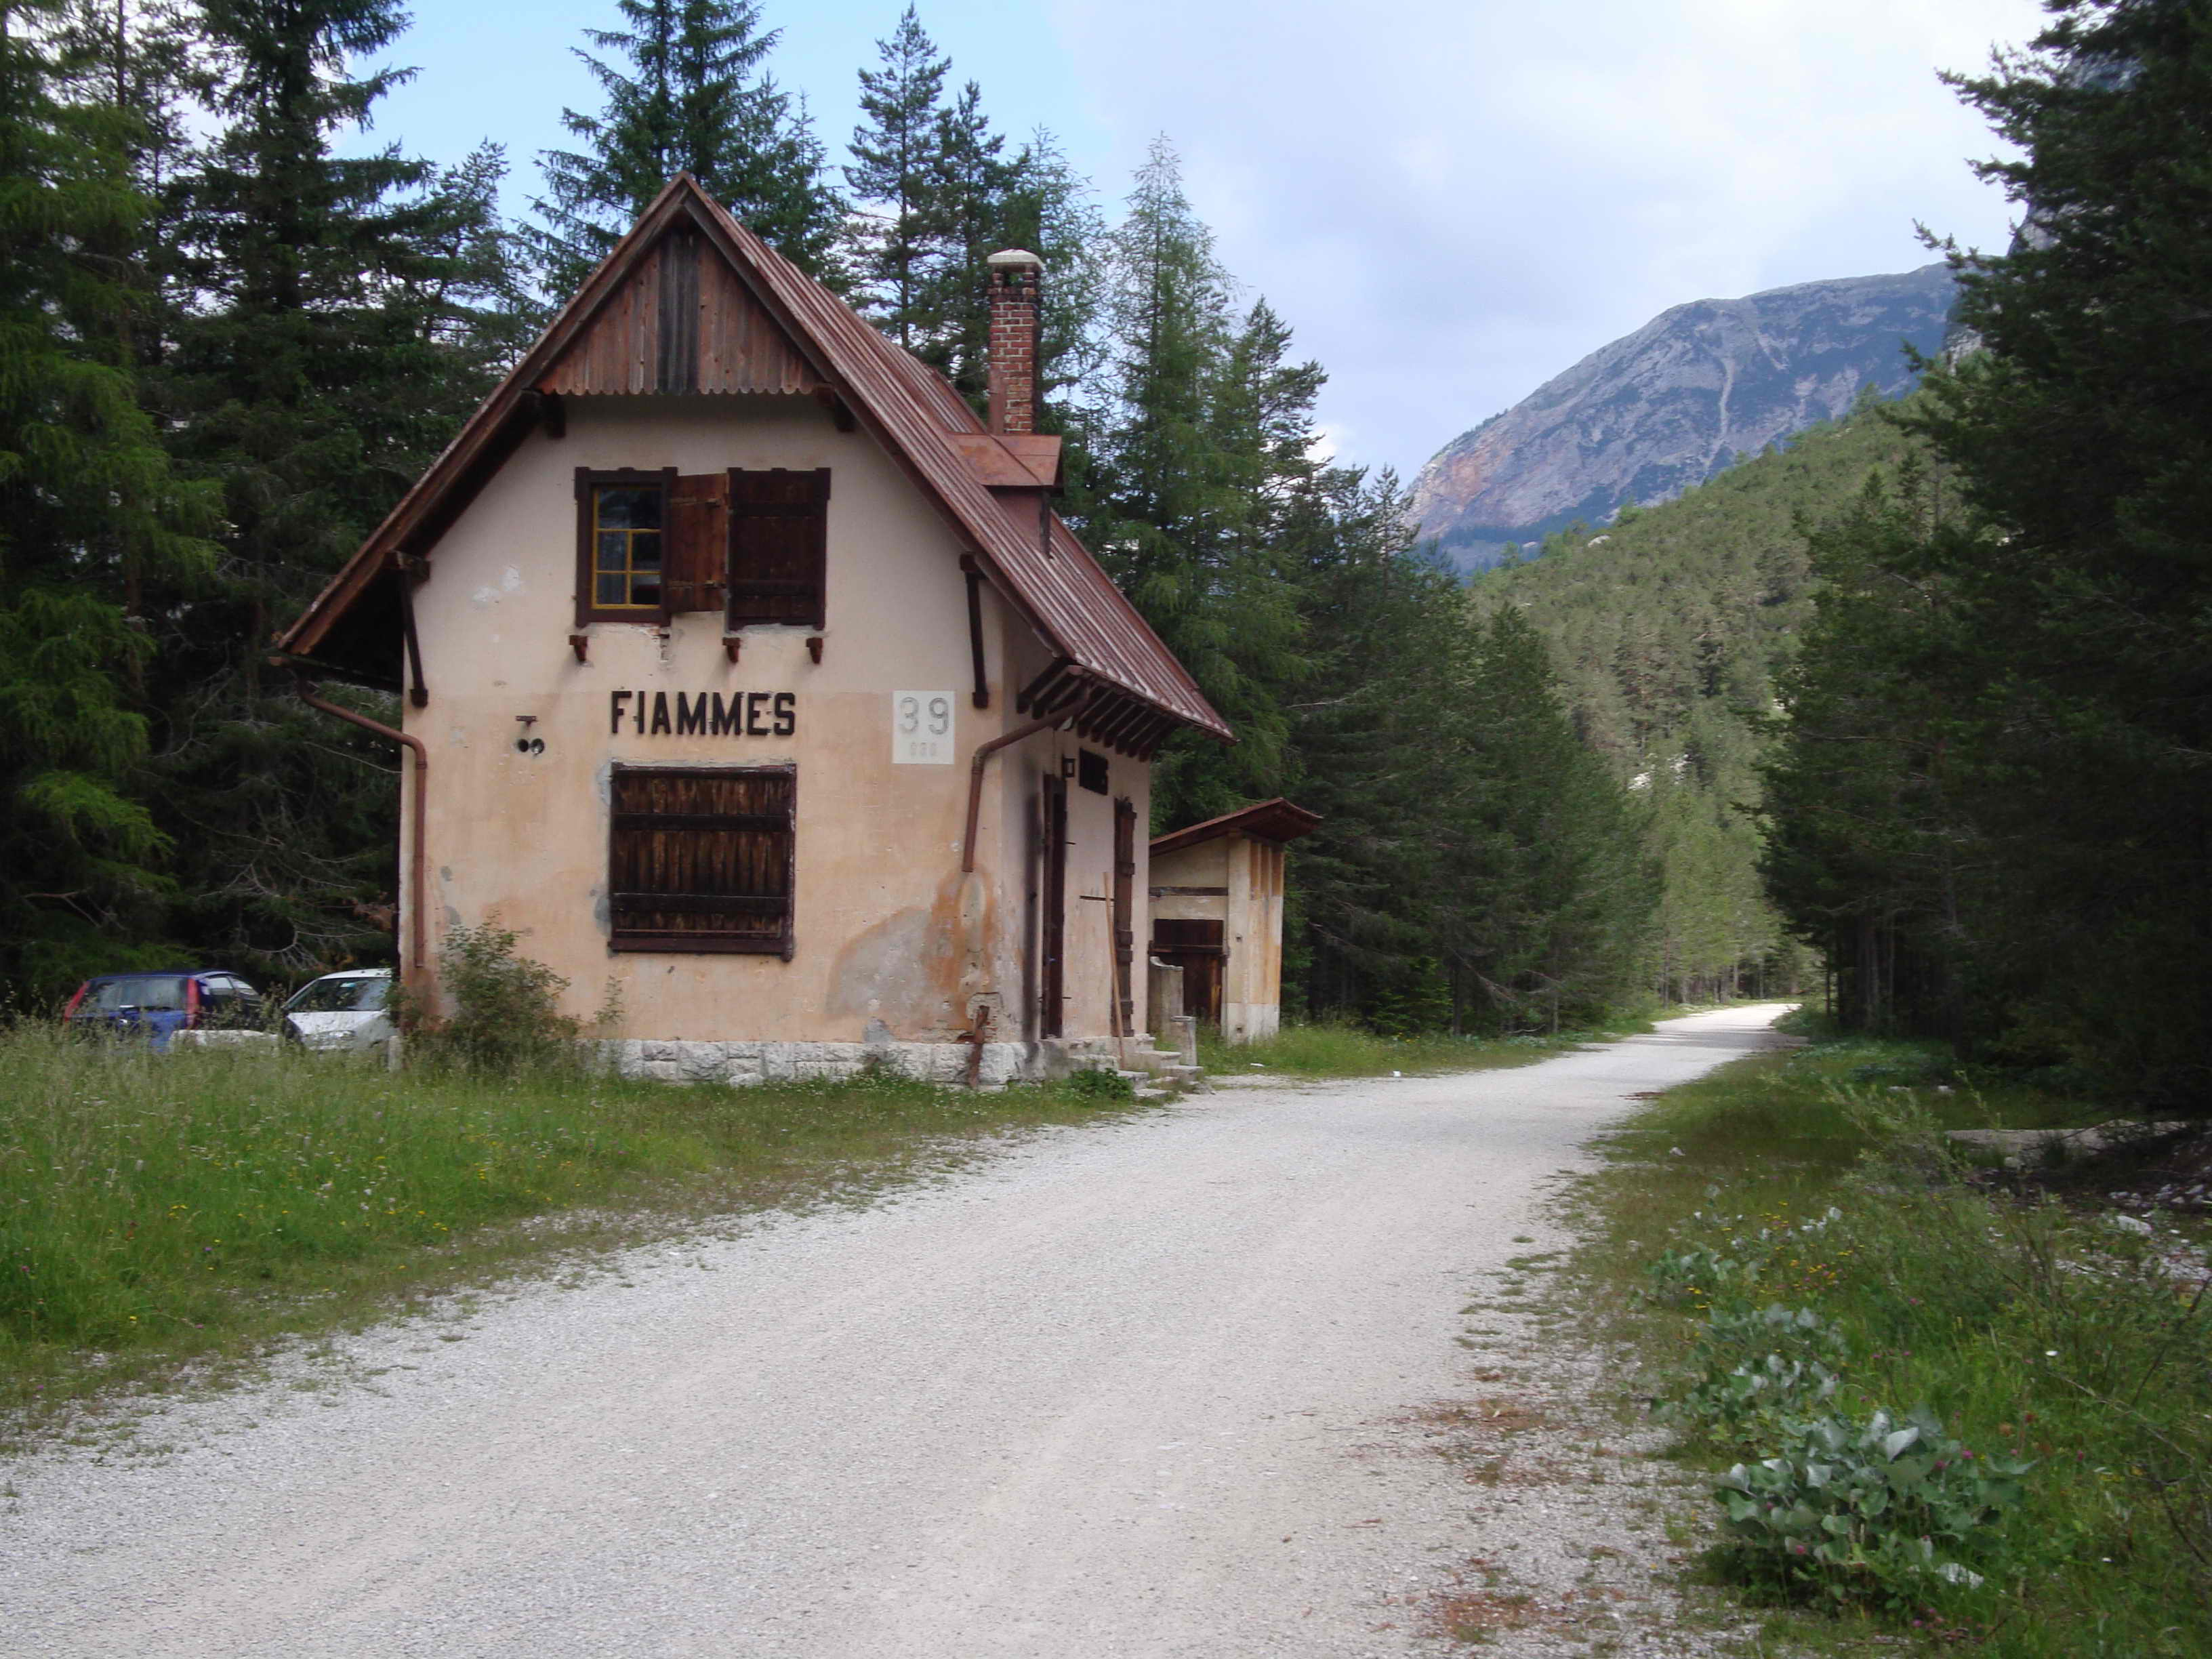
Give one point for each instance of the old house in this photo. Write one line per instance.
(1217, 900)
(745, 667)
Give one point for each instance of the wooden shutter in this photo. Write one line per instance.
(779, 547)
(701, 861)
(698, 531)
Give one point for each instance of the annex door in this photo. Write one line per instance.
(1052, 993)
(1196, 948)
(1125, 902)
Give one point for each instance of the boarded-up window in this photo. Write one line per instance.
(701, 860)
(779, 547)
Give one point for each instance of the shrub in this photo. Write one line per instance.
(506, 1006)
(1875, 1511)
(1096, 1083)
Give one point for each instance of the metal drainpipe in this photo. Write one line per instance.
(978, 1032)
(417, 818)
(983, 753)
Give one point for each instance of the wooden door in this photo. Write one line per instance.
(1052, 998)
(1196, 947)
(1124, 898)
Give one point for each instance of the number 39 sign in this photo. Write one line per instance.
(921, 728)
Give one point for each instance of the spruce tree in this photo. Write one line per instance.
(2020, 859)
(337, 318)
(87, 506)
(686, 91)
(1175, 496)
(895, 178)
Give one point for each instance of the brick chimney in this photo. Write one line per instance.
(1015, 333)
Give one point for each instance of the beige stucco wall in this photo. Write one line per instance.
(889, 941)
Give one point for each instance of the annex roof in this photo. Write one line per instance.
(1132, 689)
(1276, 820)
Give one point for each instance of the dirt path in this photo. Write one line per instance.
(1130, 1389)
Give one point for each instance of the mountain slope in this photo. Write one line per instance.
(1683, 397)
(1670, 630)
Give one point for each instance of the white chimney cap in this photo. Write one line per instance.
(1014, 258)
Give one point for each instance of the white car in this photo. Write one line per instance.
(341, 1013)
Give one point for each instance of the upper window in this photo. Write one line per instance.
(752, 544)
(621, 545)
(701, 858)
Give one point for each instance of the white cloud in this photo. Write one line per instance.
(1453, 203)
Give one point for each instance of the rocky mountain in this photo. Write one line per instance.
(1694, 390)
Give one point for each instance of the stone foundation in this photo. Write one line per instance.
(742, 1064)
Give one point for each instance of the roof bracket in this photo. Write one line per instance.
(841, 412)
(981, 695)
(417, 692)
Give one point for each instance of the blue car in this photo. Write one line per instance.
(156, 1007)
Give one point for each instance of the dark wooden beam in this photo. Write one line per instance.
(418, 693)
(981, 696)
(1030, 696)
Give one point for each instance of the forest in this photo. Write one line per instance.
(1916, 699)
(228, 342)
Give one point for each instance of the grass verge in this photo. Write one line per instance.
(166, 1215)
(2038, 1330)
(1329, 1050)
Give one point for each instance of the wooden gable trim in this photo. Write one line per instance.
(892, 399)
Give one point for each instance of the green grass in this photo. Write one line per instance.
(162, 1214)
(2032, 1329)
(1339, 1050)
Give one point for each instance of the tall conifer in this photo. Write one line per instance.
(88, 505)
(689, 94)
(895, 178)
(336, 319)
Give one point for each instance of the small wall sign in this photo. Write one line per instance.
(921, 728)
(707, 714)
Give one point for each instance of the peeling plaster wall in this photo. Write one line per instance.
(891, 944)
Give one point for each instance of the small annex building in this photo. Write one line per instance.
(1217, 899)
(743, 666)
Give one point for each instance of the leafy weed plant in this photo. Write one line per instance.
(2072, 1357)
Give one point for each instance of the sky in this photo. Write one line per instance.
(1450, 201)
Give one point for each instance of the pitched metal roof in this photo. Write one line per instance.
(1271, 820)
(1030, 557)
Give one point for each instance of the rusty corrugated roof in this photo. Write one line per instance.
(1036, 562)
(1270, 820)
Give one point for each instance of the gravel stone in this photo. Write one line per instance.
(1153, 1387)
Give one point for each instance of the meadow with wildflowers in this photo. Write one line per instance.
(1938, 1410)
(162, 1213)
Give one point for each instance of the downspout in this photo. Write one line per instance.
(976, 984)
(983, 753)
(417, 817)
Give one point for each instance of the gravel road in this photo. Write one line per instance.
(1125, 1389)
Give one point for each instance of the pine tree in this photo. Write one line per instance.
(86, 505)
(973, 193)
(896, 180)
(690, 95)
